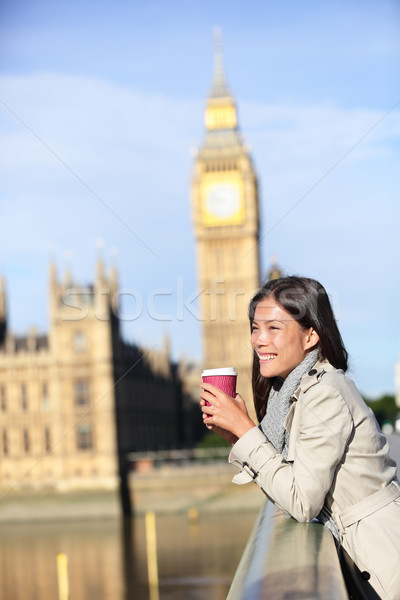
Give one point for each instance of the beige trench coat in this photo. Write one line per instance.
(337, 456)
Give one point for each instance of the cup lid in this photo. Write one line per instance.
(221, 371)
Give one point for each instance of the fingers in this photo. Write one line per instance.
(213, 403)
(207, 417)
(207, 410)
(207, 396)
(215, 391)
(206, 421)
(217, 406)
(239, 400)
(207, 390)
(210, 387)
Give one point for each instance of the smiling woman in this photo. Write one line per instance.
(316, 435)
(279, 342)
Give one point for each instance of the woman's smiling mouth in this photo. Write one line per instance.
(266, 357)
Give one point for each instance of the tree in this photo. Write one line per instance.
(384, 408)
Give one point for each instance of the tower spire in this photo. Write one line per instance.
(220, 107)
(220, 88)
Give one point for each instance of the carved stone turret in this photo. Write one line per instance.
(3, 311)
(274, 272)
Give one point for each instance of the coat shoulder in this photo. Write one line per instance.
(322, 373)
(323, 377)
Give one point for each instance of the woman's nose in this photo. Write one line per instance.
(261, 338)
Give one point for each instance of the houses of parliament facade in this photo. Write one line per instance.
(75, 402)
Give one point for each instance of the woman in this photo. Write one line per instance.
(318, 451)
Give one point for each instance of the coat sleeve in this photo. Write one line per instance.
(300, 487)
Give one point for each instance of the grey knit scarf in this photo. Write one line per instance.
(279, 401)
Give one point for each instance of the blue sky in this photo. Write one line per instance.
(101, 106)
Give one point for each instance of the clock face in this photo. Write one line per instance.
(222, 200)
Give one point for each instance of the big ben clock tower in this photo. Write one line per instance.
(226, 221)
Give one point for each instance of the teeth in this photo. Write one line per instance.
(266, 356)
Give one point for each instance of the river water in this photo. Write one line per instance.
(197, 558)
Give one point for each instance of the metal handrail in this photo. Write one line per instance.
(176, 455)
(287, 559)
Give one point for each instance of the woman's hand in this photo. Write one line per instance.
(225, 416)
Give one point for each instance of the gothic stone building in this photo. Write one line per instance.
(75, 402)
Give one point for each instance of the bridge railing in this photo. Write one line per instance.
(287, 559)
(180, 456)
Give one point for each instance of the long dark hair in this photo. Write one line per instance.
(307, 301)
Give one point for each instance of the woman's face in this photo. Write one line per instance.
(277, 338)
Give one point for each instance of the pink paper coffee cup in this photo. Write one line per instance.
(224, 379)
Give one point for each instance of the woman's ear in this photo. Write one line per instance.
(311, 339)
